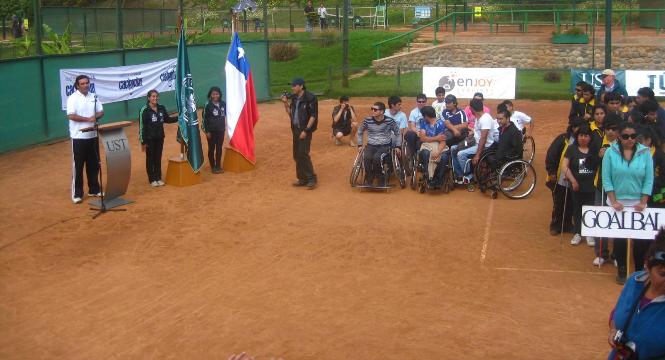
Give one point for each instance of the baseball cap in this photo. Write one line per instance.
(450, 98)
(297, 81)
(608, 72)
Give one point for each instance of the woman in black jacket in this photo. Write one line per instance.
(214, 126)
(151, 135)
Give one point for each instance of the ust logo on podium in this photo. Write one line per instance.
(114, 145)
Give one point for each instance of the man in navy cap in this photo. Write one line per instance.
(303, 110)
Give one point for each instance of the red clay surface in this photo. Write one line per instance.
(245, 262)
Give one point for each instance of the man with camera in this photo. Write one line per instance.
(344, 121)
(303, 109)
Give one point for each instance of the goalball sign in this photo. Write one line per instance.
(604, 221)
(494, 83)
(119, 83)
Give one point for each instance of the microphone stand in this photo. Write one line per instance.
(102, 207)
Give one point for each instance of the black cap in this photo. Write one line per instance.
(298, 81)
(450, 98)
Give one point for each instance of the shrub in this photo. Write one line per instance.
(328, 39)
(552, 77)
(284, 51)
(575, 31)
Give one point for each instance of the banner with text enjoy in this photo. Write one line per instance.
(113, 84)
(494, 83)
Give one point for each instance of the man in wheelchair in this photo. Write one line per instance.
(382, 134)
(433, 155)
(509, 146)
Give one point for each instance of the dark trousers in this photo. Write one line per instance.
(452, 140)
(373, 156)
(304, 167)
(215, 148)
(412, 142)
(439, 170)
(558, 216)
(153, 158)
(640, 248)
(580, 199)
(85, 155)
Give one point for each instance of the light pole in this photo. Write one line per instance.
(345, 46)
(608, 34)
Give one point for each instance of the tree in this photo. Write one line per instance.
(15, 7)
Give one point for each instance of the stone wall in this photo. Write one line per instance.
(524, 56)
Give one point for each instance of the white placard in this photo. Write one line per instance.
(113, 84)
(636, 79)
(494, 83)
(604, 221)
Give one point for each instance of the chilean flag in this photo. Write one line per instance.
(241, 110)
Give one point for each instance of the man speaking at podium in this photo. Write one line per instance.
(83, 110)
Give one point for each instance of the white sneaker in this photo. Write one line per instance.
(598, 261)
(590, 240)
(576, 240)
(154, 184)
(77, 200)
(161, 183)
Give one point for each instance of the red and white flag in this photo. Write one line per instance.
(241, 110)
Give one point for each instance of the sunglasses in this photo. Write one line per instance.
(422, 101)
(629, 136)
(375, 109)
(613, 128)
(658, 257)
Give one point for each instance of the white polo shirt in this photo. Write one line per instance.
(82, 105)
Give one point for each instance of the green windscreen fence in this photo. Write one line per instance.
(30, 91)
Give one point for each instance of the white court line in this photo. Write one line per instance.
(555, 271)
(486, 238)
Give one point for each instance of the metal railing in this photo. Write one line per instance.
(493, 19)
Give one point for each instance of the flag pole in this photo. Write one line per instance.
(629, 243)
(182, 141)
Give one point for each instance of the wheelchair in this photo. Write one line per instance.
(422, 183)
(515, 178)
(391, 164)
(528, 149)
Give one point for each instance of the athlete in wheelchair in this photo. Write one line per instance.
(432, 159)
(381, 156)
(501, 167)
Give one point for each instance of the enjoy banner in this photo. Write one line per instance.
(113, 84)
(604, 221)
(493, 83)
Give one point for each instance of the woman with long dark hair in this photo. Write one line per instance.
(151, 135)
(214, 126)
(628, 181)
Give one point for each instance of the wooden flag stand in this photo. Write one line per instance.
(235, 162)
(179, 173)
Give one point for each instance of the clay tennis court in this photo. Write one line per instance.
(246, 262)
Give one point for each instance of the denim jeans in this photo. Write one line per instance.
(459, 161)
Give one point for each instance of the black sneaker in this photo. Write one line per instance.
(311, 185)
(621, 275)
(299, 183)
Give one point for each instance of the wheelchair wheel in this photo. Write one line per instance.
(528, 149)
(414, 171)
(517, 179)
(357, 172)
(399, 170)
(483, 172)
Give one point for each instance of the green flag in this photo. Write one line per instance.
(188, 122)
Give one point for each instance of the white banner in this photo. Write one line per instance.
(636, 79)
(120, 83)
(604, 221)
(494, 83)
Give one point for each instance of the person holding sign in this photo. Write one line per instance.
(151, 135)
(579, 166)
(636, 323)
(628, 181)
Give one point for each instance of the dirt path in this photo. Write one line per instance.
(245, 262)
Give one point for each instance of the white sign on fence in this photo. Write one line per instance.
(604, 221)
(636, 79)
(113, 84)
(494, 83)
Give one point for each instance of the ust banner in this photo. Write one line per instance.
(636, 79)
(593, 77)
(120, 83)
(604, 221)
(494, 83)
